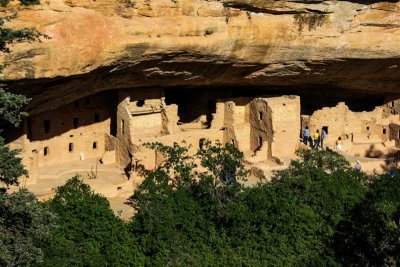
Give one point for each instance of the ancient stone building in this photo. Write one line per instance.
(112, 127)
(364, 134)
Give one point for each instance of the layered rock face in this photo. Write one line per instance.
(337, 46)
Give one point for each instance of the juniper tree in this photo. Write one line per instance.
(23, 220)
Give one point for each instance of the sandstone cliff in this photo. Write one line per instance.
(98, 45)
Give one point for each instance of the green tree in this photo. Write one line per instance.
(371, 237)
(180, 211)
(191, 217)
(88, 233)
(23, 220)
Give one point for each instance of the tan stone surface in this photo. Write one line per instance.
(99, 45)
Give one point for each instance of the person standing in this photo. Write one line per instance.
(339, 145)
(316, 139)
(323, 136)
(357, 167)
(306, 135)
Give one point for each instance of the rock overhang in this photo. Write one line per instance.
(255, 44)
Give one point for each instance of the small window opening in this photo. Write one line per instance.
(123, 126)
(260, 115)
(367, 128)
(46, 125)
(75, 122)
(392, 104)
(76, 104)
(94, 145)
(260, 141)
(140, 103)
(325, 128)
(384, 131)
(87, 100)
(96, 117)
(70, 147)
(46, 151)
(201, 143)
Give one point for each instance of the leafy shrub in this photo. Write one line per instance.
(186, 217)
(371, 237)
(88, 233)
(23, 223)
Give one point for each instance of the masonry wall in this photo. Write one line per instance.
(394, 130)
(139, 114)
(236, 123)
(342, 122)
(73, 132)
(285, 113)
(261, 134)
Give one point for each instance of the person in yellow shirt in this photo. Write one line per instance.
(316, 139)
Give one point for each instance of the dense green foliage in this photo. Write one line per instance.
(318, 212)
(372, 235)
(10, 165)
(195, 219)
(88, 233)
(23, 222)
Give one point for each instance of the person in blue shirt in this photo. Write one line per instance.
(323, 136)
(306, 135)
(357, 167)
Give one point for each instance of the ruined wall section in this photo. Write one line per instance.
(359, 127)
(261, 125)
(124, 138)
(139, 115)
(218, 118)
(170, 119)
(236, 123)
(285, 113)
(73, 132)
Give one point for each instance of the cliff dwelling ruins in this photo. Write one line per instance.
(105, 133)
(111, 128)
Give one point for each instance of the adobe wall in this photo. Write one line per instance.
(139, 114)
(236, 123)
(394, 129)
(342, 122)
(261, 125)
(124, 138)
(72, 132)
(286, 125)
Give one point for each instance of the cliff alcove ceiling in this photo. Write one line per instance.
(352, 51)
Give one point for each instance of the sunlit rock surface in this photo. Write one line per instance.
(104, 44)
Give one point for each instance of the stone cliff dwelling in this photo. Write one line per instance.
(245, 73)
(111, 128)
(102, 135)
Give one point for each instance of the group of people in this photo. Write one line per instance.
(317, 139)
